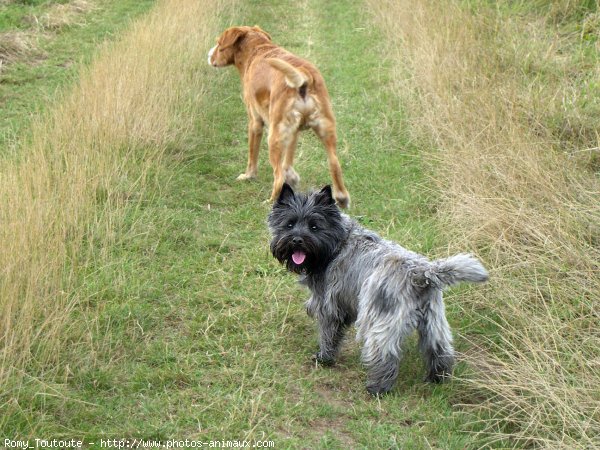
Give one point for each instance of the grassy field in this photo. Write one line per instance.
(42, 46)
(507, 98)
(145, 303)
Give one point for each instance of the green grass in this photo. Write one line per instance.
(190, 329)
(29, 84)
(504, 93)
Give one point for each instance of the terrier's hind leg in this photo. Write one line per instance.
(383, 324)
(382, 368)
(435, 341)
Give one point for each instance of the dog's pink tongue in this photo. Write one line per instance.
(298, 257)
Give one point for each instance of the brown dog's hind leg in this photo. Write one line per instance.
(276, 146)
(326, 132)
(291, 176)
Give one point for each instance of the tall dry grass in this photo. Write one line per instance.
(508, 104)
(15, 46)
(61, 15)
(86, 158)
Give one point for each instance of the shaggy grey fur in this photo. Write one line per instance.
(355, 276)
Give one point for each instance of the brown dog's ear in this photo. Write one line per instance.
(231, 37)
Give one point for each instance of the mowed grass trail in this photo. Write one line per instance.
(211, 334)
(188, 328)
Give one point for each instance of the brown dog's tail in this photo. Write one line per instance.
(294, 77)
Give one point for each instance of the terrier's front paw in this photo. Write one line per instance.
(323, 359)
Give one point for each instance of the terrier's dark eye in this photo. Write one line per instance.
(290, 224)
(314, 227)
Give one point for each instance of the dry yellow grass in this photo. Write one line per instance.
(14, 46)
(507, 104)
(21, 46)
(64, 186)
(61, 15)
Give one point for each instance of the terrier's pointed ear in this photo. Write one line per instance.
(286, 193)
(324, 196)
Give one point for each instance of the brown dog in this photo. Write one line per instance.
(284, 92)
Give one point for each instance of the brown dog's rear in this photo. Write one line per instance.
(286, 93)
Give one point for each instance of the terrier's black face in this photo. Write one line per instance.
(307, 230)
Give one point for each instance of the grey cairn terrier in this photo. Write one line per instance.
(356, 277)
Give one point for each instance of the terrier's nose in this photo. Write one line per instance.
(297, 241)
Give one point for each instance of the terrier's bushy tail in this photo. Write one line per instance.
(456, 269)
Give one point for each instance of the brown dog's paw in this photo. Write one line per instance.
(292, 178)
(245, 177)
(343, 200)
